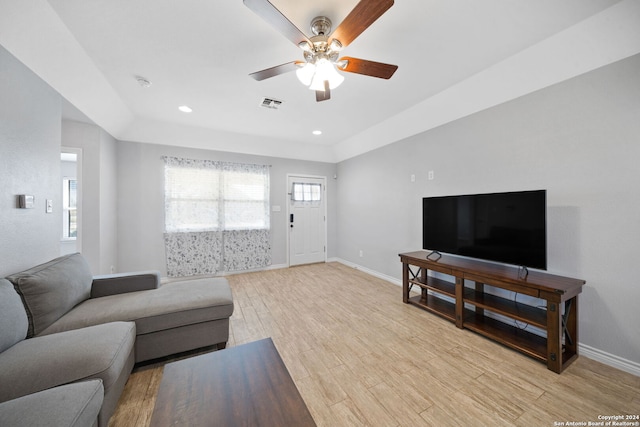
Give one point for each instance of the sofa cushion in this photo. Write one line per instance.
(120, 283)
(170, 306)
(50, 290)
(39, 363)
(13, 318)
(72, 405)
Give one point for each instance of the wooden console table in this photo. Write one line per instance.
(469, 304)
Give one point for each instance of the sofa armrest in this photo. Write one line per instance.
(73, 405)
(120, 283)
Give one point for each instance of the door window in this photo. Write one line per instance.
(306, 192)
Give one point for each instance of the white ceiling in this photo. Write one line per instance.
(455, 57)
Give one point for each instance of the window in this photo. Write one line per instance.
(191, 199)
(203, 195)
(69, 209)
(246, 200)
(306, 192)
(216, 217)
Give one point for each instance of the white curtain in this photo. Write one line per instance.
(216, 216)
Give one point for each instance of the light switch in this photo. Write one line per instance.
(49, 205)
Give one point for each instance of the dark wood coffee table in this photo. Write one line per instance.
(248, 385)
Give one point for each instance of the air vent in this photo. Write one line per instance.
(271, 103)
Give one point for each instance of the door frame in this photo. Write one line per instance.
(286, 218)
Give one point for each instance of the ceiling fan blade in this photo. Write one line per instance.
(275, 71)
(268, 12)
(364, 14)
(368, 68)
(323, 95)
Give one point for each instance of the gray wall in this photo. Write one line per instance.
(140, 173)
(29, 129)
(580, 140)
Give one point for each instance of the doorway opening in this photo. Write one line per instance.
(70, 179)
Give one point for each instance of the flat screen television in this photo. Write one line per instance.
(509, 228)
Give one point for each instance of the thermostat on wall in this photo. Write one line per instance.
(25, 201)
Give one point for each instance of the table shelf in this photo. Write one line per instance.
(435, 305)
(511, 336)
(519, 311)
(436, 285)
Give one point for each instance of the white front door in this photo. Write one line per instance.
(306, 219)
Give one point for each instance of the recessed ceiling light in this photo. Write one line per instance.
(317, 132)
(185, 109)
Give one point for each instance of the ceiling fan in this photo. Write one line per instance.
(319, 69)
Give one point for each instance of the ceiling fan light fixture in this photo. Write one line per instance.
(306, 46)
(325, 71)
(335, 45)
(305, 73)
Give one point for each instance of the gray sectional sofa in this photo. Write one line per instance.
(69, 340)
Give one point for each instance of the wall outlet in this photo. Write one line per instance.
(430, 175)
(361, 254)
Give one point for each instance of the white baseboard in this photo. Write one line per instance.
(584, 350)
(276, 266)
(374, 273)
(269, 267)
(609, 359)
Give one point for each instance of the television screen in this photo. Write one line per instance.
(503, 227)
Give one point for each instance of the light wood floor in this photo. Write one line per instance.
(359, 356)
